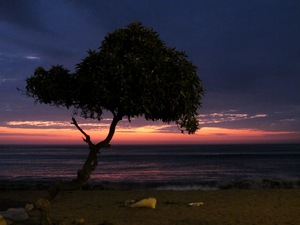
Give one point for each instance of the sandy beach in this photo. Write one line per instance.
(220, 207)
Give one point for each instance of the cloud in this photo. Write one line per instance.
(30, 124)
(32, 57)
(229, 116)
(148, 129)
(55, 124)
(23, 13)
(15, 56)
(3, 80)
(104, 125)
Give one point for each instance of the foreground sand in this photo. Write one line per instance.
(222, 207)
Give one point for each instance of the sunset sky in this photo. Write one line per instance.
(247, 54)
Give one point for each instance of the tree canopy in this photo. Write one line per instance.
(132, 74)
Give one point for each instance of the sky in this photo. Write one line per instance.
(247, 55)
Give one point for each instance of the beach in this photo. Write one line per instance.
(220, 207)
(235, 184)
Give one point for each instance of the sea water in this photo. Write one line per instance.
(157, 166)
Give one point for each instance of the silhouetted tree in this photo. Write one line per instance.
(133, 74)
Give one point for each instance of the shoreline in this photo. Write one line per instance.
(246, 184)
(220, 207)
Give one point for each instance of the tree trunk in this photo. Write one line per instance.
(83, 174)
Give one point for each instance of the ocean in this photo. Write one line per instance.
(179, 167)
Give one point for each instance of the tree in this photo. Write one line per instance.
(133, 74)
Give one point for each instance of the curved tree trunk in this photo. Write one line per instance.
(83, 174)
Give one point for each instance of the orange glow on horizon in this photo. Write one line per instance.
(144, 135)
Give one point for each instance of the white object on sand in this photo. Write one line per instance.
(196, 203)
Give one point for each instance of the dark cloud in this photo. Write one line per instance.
(21, 13)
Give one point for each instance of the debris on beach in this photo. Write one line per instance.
(15, 214)
(196, 204)
(29, 207)
(2, 221)
(143, 203)
(80, 221)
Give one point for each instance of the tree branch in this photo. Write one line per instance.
(87, 137)
(113, 125)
